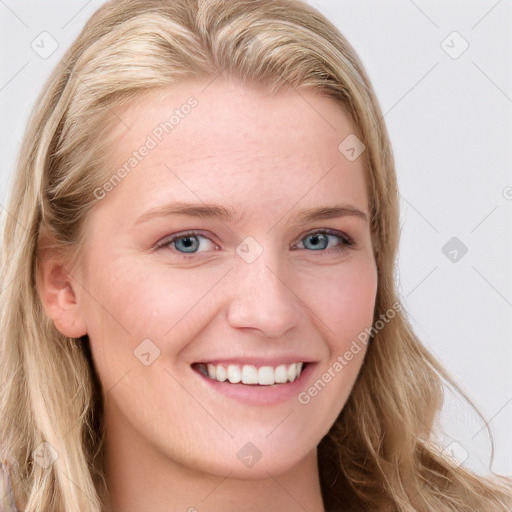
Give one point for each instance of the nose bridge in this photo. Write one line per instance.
(262, 296)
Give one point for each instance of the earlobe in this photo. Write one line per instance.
(59, 298)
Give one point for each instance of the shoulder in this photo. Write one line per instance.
(7, 503)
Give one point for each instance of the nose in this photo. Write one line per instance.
(263, 299)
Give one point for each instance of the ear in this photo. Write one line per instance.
(58, 296)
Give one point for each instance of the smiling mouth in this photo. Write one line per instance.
(250, 375)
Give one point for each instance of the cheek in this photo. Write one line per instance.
(128, 303)
(127, 300)
(343, 298)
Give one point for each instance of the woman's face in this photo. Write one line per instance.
(258, 283)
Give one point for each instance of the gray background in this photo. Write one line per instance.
(449, 113)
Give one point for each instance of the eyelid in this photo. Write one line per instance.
(346, 240)
(329, 231)
(169, 239)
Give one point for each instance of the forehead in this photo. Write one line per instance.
(227, 141)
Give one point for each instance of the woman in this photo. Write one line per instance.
(199, 309)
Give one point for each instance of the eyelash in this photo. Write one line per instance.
(345, 241)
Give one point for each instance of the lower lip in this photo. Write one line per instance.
(255, 394)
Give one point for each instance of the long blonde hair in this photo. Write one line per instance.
(380, 454)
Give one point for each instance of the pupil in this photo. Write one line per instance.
(187, 242)
(317, 239)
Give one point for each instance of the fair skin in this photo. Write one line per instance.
(171, 438)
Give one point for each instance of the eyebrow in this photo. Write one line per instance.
(219, 212)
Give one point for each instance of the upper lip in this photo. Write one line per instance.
(257, 361)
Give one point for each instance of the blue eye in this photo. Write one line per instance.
(320, 241)
(189, 243)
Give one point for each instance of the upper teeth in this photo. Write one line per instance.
(249, 374)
